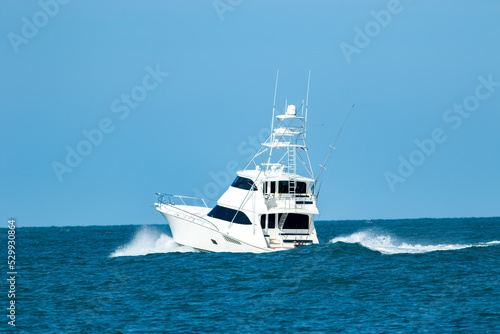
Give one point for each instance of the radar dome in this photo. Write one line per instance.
(291, 110)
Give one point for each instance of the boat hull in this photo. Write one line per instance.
(188, 231)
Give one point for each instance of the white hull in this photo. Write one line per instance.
(189, 229)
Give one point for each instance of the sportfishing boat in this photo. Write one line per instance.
(269, 206)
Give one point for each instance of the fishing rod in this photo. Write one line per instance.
(332, 147)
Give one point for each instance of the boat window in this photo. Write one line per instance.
(272, 221)
(264, 190)
(295, 221)
(273, 187)
(244, 183)
(283, 187)
(229, 215)
(263, 221)
(301, 188)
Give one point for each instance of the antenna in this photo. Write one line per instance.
(307, 95)
(307, 103)
(271, 136)
(274, 104)
(333, 146)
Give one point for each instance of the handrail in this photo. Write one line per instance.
(288, 196)
(290, 201)
(203, 220)
(161, 199)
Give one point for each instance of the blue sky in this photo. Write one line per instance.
(174, 93)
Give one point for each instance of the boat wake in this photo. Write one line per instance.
(387, 244)
(149, 240)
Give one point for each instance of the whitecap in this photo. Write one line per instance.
(149, 240)
(387, 244)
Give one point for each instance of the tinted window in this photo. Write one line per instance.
(227, 214)
(244, 183)
(296, 221)
(273, 187)
(301, 188)
(283, 187)
(272, 221)
(263, 221)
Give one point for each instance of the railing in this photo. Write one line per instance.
(289, 201)
(171, 199)
(178, 212)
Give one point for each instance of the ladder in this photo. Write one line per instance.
(281, 223)
(292, 162)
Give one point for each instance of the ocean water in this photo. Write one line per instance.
(384, 276)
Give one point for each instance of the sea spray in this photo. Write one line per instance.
(149, 240)
(388, 244)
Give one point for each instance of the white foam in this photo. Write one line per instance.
(387, 244)
(149, 240)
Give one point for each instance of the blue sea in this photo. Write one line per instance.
(380, 276)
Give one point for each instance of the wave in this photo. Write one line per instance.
(387, 244)
(149, 240)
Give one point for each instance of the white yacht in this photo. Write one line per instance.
(269, 206)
